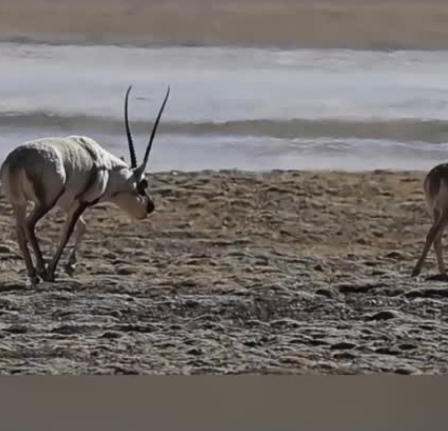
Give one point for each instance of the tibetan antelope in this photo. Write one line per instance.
(435, 187)
(72, 173)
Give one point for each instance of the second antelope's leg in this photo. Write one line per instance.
(435, 232)
(80, 229)
(67, 230)
(20, 215)
(438, 246)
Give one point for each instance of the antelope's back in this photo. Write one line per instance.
(43, 169)
(436, 187)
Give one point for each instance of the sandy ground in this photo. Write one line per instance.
(286, 23)
(283, 272)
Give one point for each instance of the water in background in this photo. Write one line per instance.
(243, 108)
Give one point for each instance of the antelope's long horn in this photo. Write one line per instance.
(154, 128)
(128, 130)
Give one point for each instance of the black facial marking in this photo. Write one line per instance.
(142, 186)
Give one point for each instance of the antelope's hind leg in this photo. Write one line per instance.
(438, 248)
(434, 236)
(46, 181)
(22, 239)
(38, 212)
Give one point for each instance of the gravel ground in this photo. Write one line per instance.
(280, 272)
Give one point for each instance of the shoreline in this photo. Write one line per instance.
(76, 40)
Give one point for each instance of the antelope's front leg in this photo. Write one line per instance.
(80, 229)
(67, 230)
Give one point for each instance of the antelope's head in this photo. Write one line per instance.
(132, 195)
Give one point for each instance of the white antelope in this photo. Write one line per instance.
(73, 173)
(435, 187)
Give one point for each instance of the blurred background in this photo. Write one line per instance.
(255, 85)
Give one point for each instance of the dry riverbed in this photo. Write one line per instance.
(282, 272)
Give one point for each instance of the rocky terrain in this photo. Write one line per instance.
(281, 272)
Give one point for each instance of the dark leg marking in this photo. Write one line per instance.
(67, 231)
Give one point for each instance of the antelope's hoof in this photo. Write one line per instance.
(41, 272)
(415, 272)
(70, 269)
(44, 274)
(48, 276)
(34, 279)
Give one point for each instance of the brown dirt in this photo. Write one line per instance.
(282, 272)
(287, 23)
